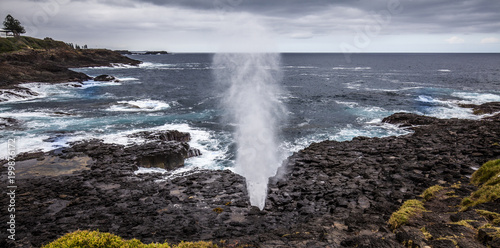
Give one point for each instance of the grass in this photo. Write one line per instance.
(486, 172)
(96, 239)
(11, 44)
(409, 209)
(427, 234)
(492, 216)
(430, 192)
(496, 233)
(488, 179)
(465, 223)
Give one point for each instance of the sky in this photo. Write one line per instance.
(278, 25)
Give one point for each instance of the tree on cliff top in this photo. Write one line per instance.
(13, 25)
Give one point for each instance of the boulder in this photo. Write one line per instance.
(104, 78)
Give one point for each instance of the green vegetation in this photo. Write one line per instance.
(488, 179)
(465, 223)
(431, 192)
(492, 216)
(495, 233)
(486, 172)
(96, 239)
(426, 233)
(409, 209)
(456, 185)
(11, 44)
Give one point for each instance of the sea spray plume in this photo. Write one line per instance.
(250, 82)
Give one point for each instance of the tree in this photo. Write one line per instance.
(13, 25)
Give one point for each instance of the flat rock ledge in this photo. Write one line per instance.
(331, 194)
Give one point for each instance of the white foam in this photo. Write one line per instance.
(151, 65)
(142, 170)
(41, 90)
(429, 99)
(348, 104)
(452, 109)
(351, 68)
(477, 98)
(46, 91)
(147, 105)
(444, 70)
(392, 90)
(113, 66)
(25, 114)
(89, 84)
(299, 67)
(380, 130)
(27, 143)
(127, 78)
(354, 85)
(209, 146)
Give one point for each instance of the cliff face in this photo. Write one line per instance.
(51, 63)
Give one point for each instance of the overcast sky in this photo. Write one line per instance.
(280, 25)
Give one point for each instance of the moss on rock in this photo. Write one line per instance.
(96, 239)
(431, 192)
(409, 209)
(488, 179)
(486, 172)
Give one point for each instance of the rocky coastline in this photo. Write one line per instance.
(50, 63)
(53, 65)
(330, 194)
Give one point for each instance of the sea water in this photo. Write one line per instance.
(325, 97)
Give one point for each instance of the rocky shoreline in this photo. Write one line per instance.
(330, 194)
(51, 65)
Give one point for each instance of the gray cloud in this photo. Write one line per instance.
(297, 20)
(425, 16)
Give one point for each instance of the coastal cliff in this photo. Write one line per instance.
(33, 60)
(330, 194)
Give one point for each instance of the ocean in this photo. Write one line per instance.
(326, 97)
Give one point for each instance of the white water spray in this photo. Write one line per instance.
(249, 77)
(251, 88)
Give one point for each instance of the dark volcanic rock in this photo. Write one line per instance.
(485, 108)
(104, 78)
(167, 135)
(155, 52)
(409, 119)
(9, 123)
(163, 154)
(53, 65)
(16, 93)
(331, 194)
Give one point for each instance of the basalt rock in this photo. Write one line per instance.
(53, 65)
(485, 108)
(105, 78)
(9, 123)
(167, 135)
(16, 93)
